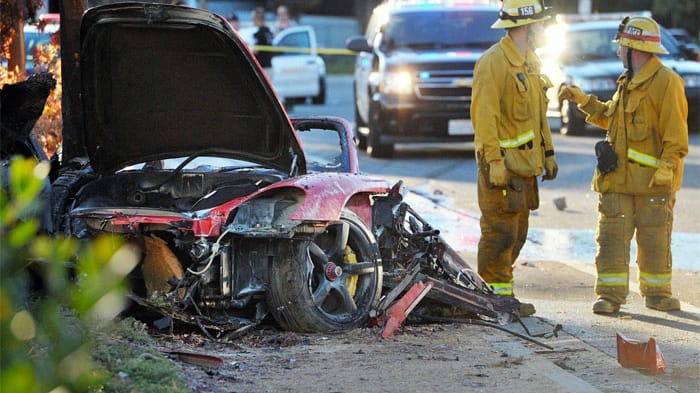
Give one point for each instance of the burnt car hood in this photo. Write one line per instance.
(161, 81)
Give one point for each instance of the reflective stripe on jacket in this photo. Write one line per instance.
(509, 109)
(642, 158)
(646, 123)
(520, 140)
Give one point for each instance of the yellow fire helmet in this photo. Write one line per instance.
(641, 33)
(516, 13)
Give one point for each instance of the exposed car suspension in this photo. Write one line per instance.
(406, 240)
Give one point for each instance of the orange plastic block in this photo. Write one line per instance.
(640, 355)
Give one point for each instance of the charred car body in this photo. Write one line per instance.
(186, 152)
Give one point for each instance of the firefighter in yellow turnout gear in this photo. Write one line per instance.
(513, 140)
(647, 128)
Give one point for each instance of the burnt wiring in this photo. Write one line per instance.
(214, 253)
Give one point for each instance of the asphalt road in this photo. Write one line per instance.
(555, 270)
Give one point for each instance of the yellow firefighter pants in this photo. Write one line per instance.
(504, 224)
(620, 216)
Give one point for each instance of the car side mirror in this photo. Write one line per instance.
(358, 44)
(688, 52)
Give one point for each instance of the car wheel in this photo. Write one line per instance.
(330, 283)
(572, 121)
(375, 148)
(320, 99)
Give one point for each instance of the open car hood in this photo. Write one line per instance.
(161, 81)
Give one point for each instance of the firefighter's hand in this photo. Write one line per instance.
(662, 177)
(550, 168)
(572, 93)
(497, 173)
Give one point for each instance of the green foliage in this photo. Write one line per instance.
(43, 346)
(137, 369)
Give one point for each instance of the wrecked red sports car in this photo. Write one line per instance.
(191, 156)
(184, 150)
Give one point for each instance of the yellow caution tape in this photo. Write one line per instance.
(294, 49)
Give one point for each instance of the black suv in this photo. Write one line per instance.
(414, 73)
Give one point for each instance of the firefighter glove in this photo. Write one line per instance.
(497, 173)
(550, 168)
(662, 177)
(572, 93)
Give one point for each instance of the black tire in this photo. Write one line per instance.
(375, 148)
(63, 191)
(306, 296)
(572, 120)
(320, 99)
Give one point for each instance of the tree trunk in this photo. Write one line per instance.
(18, 57)
(71, 13)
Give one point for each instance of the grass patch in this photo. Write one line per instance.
(122, 350)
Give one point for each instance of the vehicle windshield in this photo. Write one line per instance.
(196, 164)
(586, 45)
(441, 29)
(324, 150)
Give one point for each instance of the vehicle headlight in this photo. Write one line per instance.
(691, 80)
(596, 84)
(265, 214)
(398, 82)
(256, 214)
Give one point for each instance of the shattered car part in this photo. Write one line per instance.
(398, 312)
(405, 237)
(198, 359)
(21, 105)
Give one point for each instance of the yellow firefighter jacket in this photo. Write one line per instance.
(646, 123)
(509, 107)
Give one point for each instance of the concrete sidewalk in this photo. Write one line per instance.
(584, 358)
(563, 293)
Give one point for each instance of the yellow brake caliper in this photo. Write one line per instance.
(350, 281)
